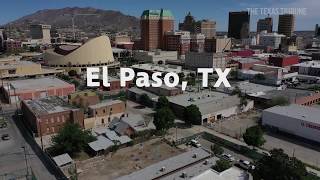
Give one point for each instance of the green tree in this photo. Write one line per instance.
(279, 166)
(236, 91)
(243, 101)
(162, 102)
(72, 72)
(254, 136)
(122, 95)
(145, 100)
(76, 83)
(163, 119)
(233, 74)
(221, 165)
(71, 139)
(192, 115)
(216, 149)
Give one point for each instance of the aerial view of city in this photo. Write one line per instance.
(160, 90)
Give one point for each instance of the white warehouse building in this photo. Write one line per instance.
(302, 121)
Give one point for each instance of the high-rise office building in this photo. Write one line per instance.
(286, 24)
(41, 32)
(189, 24)
(265, 24)
(1, 40)
(317, 31)
(239, 25)
(206, 27)
(154, 24)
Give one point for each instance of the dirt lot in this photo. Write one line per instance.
(126, 160)
(236, 125)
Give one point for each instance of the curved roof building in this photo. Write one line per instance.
(94, 53)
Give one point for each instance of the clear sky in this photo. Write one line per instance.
(210, 9)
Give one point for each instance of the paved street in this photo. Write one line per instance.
(12, 159)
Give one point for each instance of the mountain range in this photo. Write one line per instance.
(86, 19)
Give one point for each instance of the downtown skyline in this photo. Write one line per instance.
(203, 9)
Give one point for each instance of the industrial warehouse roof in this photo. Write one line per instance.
(304, 113)
(207, 101)
(169, 165)
(38, 84)
(290, 94)
(62, 159)
(102, 143)
(252, 88)
(232, 173)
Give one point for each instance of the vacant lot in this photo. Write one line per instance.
(236, 125)
(126, 160)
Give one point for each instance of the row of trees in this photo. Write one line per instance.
(164, 117)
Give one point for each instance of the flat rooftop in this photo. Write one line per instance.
(290, 94)
(105, 103)
(160, 68)
(48, 105)
(169, 165)
(314, 64)
(38, 84)
(232, 173)
(247, 60)
(141, 91)
(252, 88)
(14, 64)
(207, 101)
(303, 113)
(192, 170)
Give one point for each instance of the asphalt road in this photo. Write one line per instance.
(12, 156)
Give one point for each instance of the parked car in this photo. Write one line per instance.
(245, 165)
(195, 143)
(228, 157)
(5, 137)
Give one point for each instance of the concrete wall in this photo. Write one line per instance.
(292, 125)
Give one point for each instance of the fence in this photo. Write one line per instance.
(43, 156)
(244, 150)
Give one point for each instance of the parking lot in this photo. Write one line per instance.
(126, 160)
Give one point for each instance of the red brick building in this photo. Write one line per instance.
(48, 115)
(177, 41)
(283, 60)
(115, 84)
(37, 88)
(242, 52)
(246, 63)
(154, 24)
